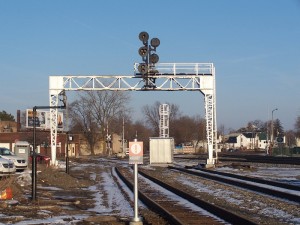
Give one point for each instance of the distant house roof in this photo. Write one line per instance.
(249, 135)
(232, 139)
(262, 136)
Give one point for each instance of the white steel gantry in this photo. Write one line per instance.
(168, 77)
(164, 114)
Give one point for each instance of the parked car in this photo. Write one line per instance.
(41, 158)
(233, 150)
(20, 163)
(6, 167)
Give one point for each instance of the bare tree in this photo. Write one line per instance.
(221, 131)
(83, 121)
(290, 138)
(259, 125)
(95, 111)
(189, 129)
(42, 138)
(141, 131)
(199, 129)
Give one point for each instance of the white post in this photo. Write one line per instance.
(136, 220)
(136, 197)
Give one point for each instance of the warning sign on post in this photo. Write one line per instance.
(136, 152)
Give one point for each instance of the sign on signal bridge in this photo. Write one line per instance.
(136, 152)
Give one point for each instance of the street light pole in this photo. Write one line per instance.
(33, 161)
(34, 166)
(272, 127)
(67, 154)
(123, 144)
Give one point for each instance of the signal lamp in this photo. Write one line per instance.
(144, 36)
(143, 68)
(155, 42)
(154, 58)
(143, 51)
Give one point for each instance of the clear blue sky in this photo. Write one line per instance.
(254, 45)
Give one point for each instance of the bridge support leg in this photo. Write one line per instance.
(210, 127)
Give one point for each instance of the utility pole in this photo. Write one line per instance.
(67, 154)
(123, 140)
(272, 128)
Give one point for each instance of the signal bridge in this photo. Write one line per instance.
(167, 77)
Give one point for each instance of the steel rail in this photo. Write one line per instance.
(213, 209)
(259, 159)
(148, 202)
(254, 179)
(242, 184)
(250, 158)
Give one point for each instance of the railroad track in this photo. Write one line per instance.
(169, 204)
(260, 159)
(249, 158)
(272, 188)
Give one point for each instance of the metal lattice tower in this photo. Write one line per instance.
(170, 77)
(164, 114)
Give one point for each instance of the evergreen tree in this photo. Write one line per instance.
(297, 126)
(4, 116)
(277, 128)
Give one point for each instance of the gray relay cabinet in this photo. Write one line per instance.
(161, 150)
(22, 149)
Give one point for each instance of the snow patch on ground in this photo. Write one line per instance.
(115, 198)
(53, 220)
(223, 194)
(287, 175)
(115, 202)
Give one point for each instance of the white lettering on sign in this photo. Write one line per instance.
(136, 148)
(21, 150)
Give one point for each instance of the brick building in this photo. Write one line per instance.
(11, 132)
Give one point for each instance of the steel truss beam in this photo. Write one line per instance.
(130, 83)
(170, 77)
(209, 112)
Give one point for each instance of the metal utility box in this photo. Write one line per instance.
(22, 149)
(161, 150)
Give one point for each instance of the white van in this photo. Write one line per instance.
(20, 163)
(6, 167)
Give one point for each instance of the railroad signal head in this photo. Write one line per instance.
(144, 37)
(143, 68)
(155, 42)
(154, 58)
(143, 51)
(149, 57)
